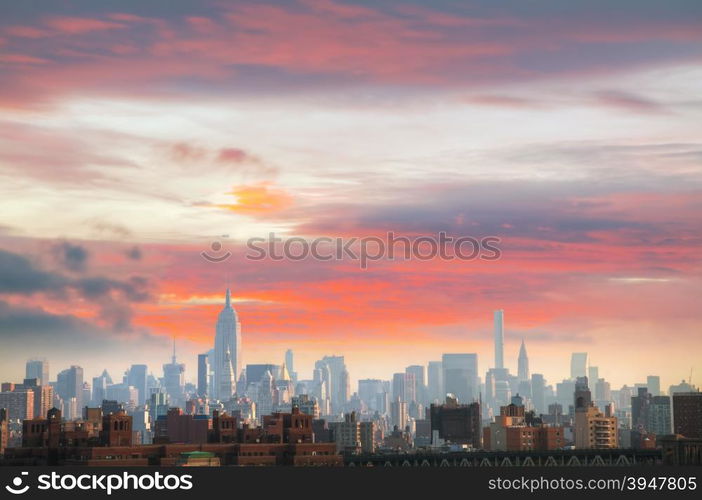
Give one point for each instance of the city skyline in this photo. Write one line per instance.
(437, 408)
(579, 363)
(137, 137)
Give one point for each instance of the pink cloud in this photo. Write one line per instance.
(233, 155)
(79, 25)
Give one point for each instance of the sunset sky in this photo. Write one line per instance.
(134, 134)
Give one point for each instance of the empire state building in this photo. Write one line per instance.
(227, 349)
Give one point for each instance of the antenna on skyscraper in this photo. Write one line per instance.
(228, 282)
(174, 354)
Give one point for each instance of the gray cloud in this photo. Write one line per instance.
(18, 275)
(72, 257)
(134, 253)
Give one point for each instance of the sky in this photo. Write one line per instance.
(133, 135)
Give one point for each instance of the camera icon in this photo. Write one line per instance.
(215, 248)
(16, 488)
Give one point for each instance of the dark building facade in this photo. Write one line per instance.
(457, 423)
(687, 414)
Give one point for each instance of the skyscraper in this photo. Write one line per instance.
(659, 416)
(203, 373)
(582, 396)
(174, 379)
(461, 376)
(69, 384)
(435, 381)
(38, 369)
(344, 387)
(367, 391)
(499, 338)
(593, 374)
(420, 380)
(653, 383)
(227, 380)
(398, 386)
(523, 364)
(227, 338)
(578, 365)
(336, 365)
(538, 392)
(290, 364)
(137, 378)
(398, 413)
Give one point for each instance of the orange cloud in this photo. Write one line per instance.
(258, 199)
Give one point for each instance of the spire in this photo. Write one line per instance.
(228, 300)
(284, 373)
(174, 354)
(523, 363)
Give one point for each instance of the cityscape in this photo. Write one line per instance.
(269, 414)
(260, 237)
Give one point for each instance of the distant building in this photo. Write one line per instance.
(177, 427)
(368, 389)
(687, 414)
(461, 375)
(174, 379)
(290, 365)
(418, 381)
(38, 369)
(650, 417)
(538, 392)
(499, 338)
(69, 384)
(457, 423)
(512, 432)
(18, 403)
(306, 404)
(593, 429)
(653, 383)
(136, 377)
(523, 364)
(435, 382)
(203, 374)
(578, 365)
(404, 387)
(660, 420)
(347, 434)
(681, 387)
(227, 338)
(43, 395)
(398, 414)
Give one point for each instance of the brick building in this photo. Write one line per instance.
(457, 423)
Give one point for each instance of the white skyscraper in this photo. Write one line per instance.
(523, 364)
(499, 338)
(227, 338)
(578, 365)
(228, 387)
